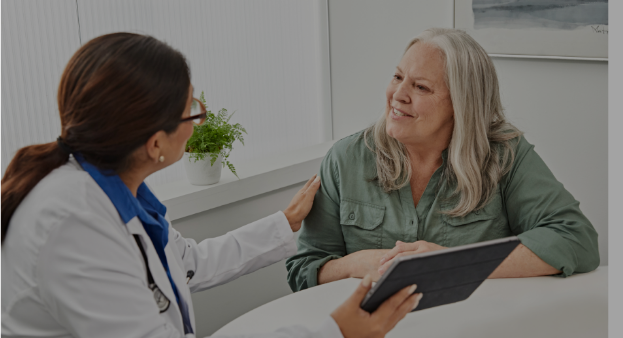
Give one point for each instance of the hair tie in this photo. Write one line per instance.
(64, 147)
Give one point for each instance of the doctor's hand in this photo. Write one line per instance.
(355, 322)
(301, 203)
(405, 249)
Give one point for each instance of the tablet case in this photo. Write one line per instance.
(444, 276)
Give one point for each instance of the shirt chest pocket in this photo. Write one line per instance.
(360, 223)
(479, 225)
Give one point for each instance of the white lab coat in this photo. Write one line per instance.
(71, 267)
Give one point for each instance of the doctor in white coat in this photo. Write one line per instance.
(87, 249)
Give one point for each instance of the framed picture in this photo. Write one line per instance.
(574, 29)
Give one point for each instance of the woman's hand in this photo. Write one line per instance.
(405, 249)
(301, 203)
(366, 262)
(357, 265)
(354, 322)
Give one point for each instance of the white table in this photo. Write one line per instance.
(576, 306)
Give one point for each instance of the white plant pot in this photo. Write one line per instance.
(201, 172)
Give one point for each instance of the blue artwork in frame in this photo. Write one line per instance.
(545, 28)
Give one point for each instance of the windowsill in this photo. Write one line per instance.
(256, 177)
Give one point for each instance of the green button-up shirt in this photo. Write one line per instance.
(351, 213)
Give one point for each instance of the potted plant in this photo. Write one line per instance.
(209, 147)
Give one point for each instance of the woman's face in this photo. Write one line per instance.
(177, 139)
(419, 109)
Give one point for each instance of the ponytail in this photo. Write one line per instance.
(29, 166)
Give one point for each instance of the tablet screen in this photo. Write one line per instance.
(443, 276)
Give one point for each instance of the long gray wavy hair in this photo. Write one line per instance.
(480, 151)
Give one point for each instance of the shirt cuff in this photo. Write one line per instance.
(329, 329)
(552, 248)
(314, 267)
(285, 234)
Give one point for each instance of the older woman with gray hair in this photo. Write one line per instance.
(442, 167)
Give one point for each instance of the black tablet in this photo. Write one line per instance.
(443, 276)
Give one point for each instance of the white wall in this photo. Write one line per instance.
(267, 60)
(367, 39)
(560, 105)
(38, 38)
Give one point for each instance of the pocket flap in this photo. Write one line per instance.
(490, 211)
(472, 217)
(361, 214)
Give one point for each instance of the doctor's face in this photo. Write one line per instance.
(177, 139)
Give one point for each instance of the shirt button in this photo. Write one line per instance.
(411, 222)
(352, 215)
(477, 212)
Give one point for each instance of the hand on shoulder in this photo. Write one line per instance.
(301, 203)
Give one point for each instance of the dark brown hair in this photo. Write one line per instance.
(115, 93)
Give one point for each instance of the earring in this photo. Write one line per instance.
(161, 159)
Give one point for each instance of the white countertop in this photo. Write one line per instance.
(576, 306)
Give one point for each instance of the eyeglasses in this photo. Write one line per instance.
(197, 113)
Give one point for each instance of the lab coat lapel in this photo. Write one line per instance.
(179, 278)
(158, 273)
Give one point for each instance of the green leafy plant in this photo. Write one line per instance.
(214, 137)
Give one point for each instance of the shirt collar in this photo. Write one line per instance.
(444, 155)
(120, 195)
